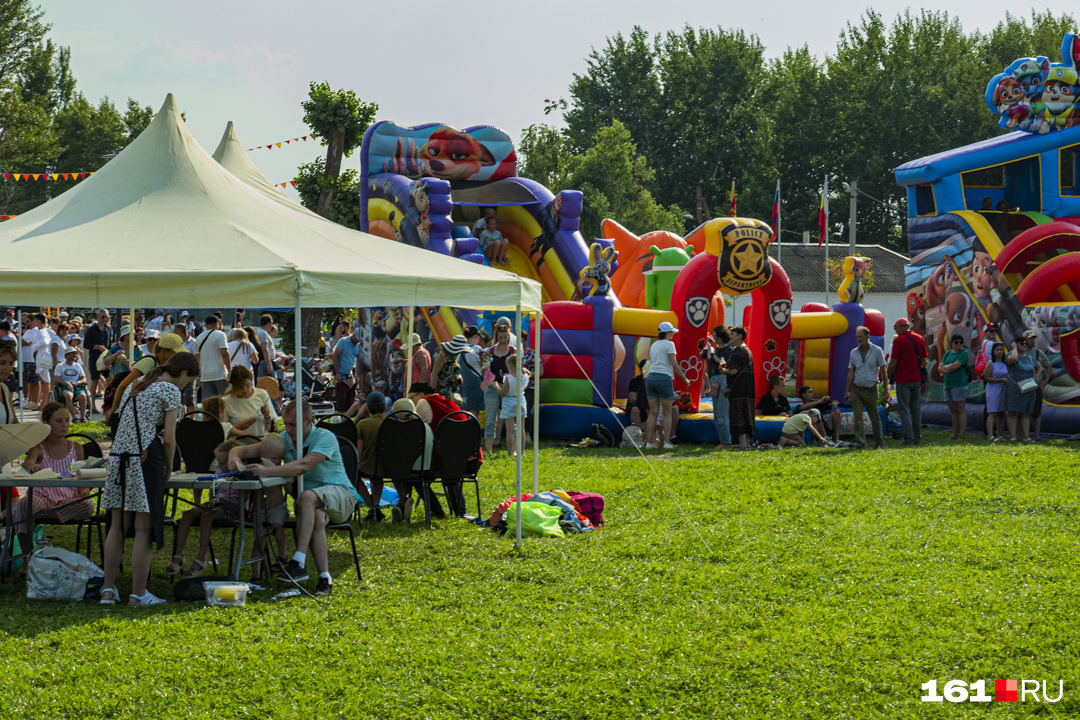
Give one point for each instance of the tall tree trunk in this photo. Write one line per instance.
(334, 150)
(310, 327)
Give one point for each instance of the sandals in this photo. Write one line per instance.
(174, 567)
(278, 565)
(198, 567)
(112, 593)
(145, 600)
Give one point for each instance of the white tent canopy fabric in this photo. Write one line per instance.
(164, 225)
(232, 156)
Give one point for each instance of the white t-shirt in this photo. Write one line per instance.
(209, 346)
(31, 335)
(658, 357)
(70, 373)
(41, 346)
(155, 324)
(241, 355)
(60, 345)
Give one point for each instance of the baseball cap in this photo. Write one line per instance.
(902, 321)
(1029, 334)
(668, 327)
(172, 341)
(375, 398)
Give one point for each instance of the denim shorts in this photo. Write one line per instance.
(956, 394)
(660, 386)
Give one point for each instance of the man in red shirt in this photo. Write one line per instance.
(422, 393)
(907, 370)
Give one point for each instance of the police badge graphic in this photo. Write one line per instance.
(744, 259)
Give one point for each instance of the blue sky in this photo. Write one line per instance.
(481, 62)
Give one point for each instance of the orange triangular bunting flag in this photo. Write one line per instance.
(37, 176)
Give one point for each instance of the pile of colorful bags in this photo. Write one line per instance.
(552, 513)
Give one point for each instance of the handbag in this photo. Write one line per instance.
(1027, 386)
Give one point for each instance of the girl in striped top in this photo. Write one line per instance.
(56, 453)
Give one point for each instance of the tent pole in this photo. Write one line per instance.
(537, 370)
(131, 338)
(519, 432)
(18, 356)
(298, 362)
(409, 352)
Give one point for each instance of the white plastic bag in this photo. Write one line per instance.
(58, 574)
(631, 437)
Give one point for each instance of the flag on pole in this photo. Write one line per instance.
(823, 213)
(776, 213)
(731, 207)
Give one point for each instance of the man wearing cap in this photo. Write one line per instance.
(212, 349)
(187, 322)
(796, 425)
(907, 368)
(865, 369)
(69, 377)
(1042, 378)
(344, 360)
(367, 430)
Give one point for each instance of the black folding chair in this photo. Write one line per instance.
(398, 446)
(91, 449)
(341, 425)
(197, 441)
(350, 458)
(457, 453)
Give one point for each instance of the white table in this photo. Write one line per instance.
(178, 481)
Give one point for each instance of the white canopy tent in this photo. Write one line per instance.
(163, 224)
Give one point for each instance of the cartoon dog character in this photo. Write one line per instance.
(938, 284)
(916, 312)
(599, 266)
(1032, 73)
(1011, 102)
(1055, 110)
(453, 155)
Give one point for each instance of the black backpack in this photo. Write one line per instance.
(603, 436)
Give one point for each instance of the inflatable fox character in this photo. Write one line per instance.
(855, 269)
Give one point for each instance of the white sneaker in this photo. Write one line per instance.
(669, 446)
(148, 598)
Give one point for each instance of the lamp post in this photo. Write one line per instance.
(852, 190)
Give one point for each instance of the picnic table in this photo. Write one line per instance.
(178, 481)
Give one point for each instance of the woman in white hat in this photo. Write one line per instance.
(446, 372)
(660, 383)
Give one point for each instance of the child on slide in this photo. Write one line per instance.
(493, 243)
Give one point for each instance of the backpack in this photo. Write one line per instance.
(603, 436)
(110, 389)
(980, 363)
(631, 437)
(591, 504)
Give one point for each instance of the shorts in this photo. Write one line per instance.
(213, 388)
(76, 392)
(225, 507)
(956, 394)
(276, 515)
(792, 437)
(92, 364)
(659, 386)
(32, 377)
(337, 501)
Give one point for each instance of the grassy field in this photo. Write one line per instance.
(801, 583)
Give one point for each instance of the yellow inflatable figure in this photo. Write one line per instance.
(855, 269)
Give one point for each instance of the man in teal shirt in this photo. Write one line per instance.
(328, 494)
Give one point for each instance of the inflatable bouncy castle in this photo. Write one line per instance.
(994, 235)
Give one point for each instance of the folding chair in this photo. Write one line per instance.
(341, 425)
(398, 447)
(457, 451)
(91, 449)
(196, 441)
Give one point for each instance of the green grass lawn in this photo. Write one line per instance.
(802, 583)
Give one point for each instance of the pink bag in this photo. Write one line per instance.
(591, 504)
(489, 377)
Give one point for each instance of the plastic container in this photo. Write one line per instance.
(226, 593)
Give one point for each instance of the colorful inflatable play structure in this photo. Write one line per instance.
(428, 185)
(994, 234)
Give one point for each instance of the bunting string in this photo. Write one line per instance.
(271, 146)
(47, 176)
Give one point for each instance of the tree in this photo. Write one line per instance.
(312, 182)
(615, 182)
(136, 118)
(21, 34)
(340, 118)
(543, 153)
